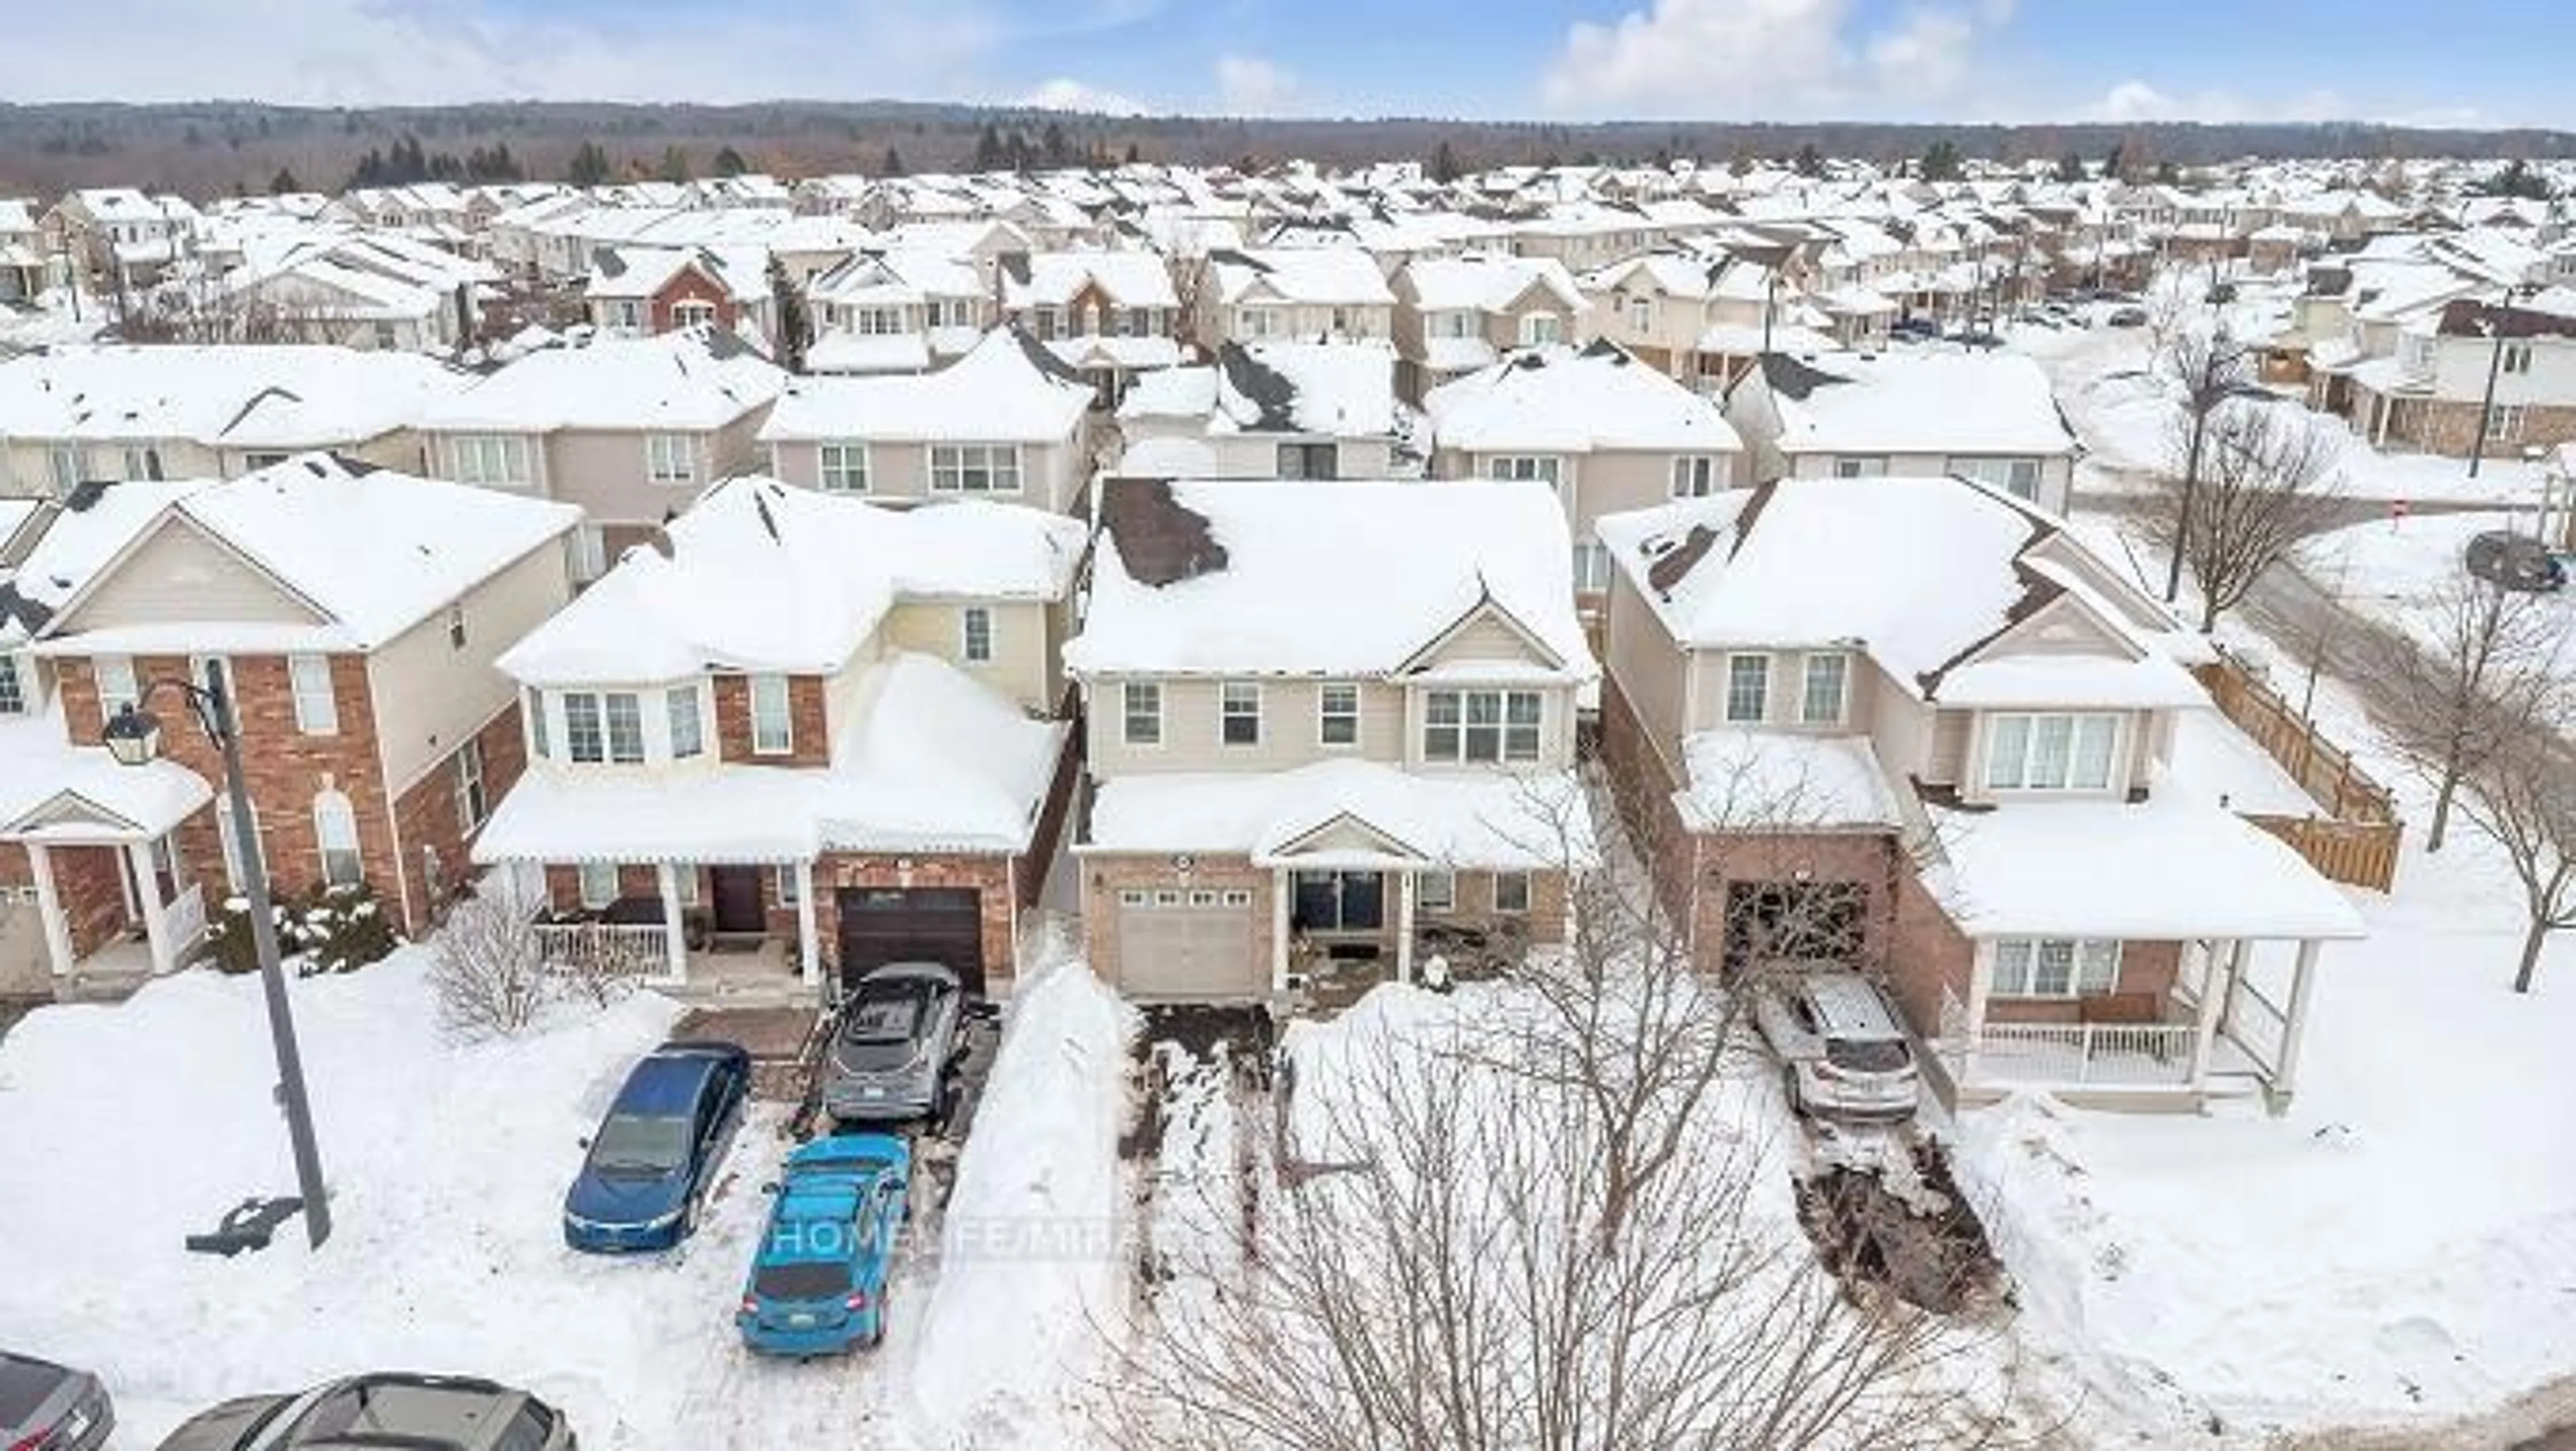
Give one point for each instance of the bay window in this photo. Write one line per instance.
(2051, 751)
(625, 727)
(1481, 726)
(688, 730)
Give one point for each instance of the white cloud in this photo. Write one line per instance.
(1064, 93)
(1250, 86)
(358, 52)
(1767, 57)
(2136, 100)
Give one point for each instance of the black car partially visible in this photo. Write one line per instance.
(47, 1407)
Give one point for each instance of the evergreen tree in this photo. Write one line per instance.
(729, 162)
(795, 325)
(1940, 161)
(1052, 146)
(988, 149)
(1444, 163)
(1808, 162)
(675, 165)
(891, 164)
(2114, 163)
(2070, 167)
(1132, 157)
(589, 166)
(282, 183)
(2517, 179)
(2167, 174)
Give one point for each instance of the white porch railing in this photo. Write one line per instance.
(618, 948)
(2039, 1055)
(183, 922)
(2258, 1026)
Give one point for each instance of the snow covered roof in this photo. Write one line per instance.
(44, 778)
(1938, 403)
(1486, 820)
(932, 760)
(370, 551)
(1757, 780)
(2160, 870)
(1128, 278)
(1258, 577)
(1341, 390)
(221, 396)
(1922, 574)
(1559, 399)
(762, 576)
(693, 379)
(1007, 389)
(848, 352)
(1324, 275)
(1487, 282)
(78, 537)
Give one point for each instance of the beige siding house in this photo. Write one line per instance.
(1309, 294)
(1985, 416)
(1300, 787)
(1455, 315)
(1269, 411)
(1911, 726)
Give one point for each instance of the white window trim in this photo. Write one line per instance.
(1987, 735)
(1445, 900)
(1529, 893)
(1696, 476)
(967, 619)
(1515, 468)
(2024, 981)
(608, 727)
(1128, 714)
(345, 812)
(1726, 701)
(121, 668)
(1842, 690)
(572, 737)
(784, 884)
(471, 783)
(1502, 726)
(991, 455)
(671, 459)
(313, 716)
(786, 735)
(844, 450)
(695, 714)
(595, 901)
(1225, 714)
(1322, 716)
(13, 686)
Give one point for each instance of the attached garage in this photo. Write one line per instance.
(1185, 944)
(879, 925)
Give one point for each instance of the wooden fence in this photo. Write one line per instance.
(2354, 835)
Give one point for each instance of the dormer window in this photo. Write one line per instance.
(2051, 752)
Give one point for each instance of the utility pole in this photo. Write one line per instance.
(2495, 326)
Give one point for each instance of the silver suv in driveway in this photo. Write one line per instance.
(45, 1407)
(450, 1413)
(1842, 1053)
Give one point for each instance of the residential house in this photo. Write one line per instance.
(124, 237)
(1455, 315)
(648, 291)
(631, 429)
(22, 251)
(1008, 421)
(1704, 316)
(1310, 294)
(1603, 431)
(352, 615)
(2492, 376)
(1275, 410)
(1989, 416)
(1110, 315)
(374, 290)
(896, 312)
(1296, 780)
(813, 727)
(78, 415)
(1913, 726)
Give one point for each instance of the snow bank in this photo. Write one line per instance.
(1032, 1260)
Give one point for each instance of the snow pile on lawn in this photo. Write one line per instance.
(2396, 1249)
(1032, 1263)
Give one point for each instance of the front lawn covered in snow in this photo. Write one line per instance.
(133, 1125)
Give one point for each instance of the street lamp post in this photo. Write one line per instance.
(133, 737)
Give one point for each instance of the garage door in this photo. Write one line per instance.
(912, 924)
(1176, 944)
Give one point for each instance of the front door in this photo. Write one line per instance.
(737, 892)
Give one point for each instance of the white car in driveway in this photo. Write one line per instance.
(1842, 1052)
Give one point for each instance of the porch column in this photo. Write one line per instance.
(809, 950)
(1981, 985)
(1279, 930)
(49, 906)
(147, 895)
(674, 940)
(2285, 1077)
(2217, 986)
(1404, 926)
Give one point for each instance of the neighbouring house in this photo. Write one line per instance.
(355, 614)
(23, 266)
(1274, 410)
(76, 415)
(810, 736)
(1300, 782)
(125, 238)
(631, 429)
(1111, 315)
(1913, 726)
(896, 311)
(1704, 316)
(1310, 294)
(2471, 374)
(1988, 416)
(1455, 315)
(1007, 421)
(647, 291)
(361, 290)
(1602, 430)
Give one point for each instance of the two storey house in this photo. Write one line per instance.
(1912, 726)
(1008, 421)
(1987, 416)
(1455, 315)
(1298, 780)
(1313, 294)
(814, 734)
(1110, 314)
(630, 429)
(1267, 411)
(352, 615)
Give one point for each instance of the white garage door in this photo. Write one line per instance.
(1183, 944)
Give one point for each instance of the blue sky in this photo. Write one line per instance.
(2466, 62)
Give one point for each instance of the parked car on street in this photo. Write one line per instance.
(2514, 561)
(1842, 1053)
(2127, 317)
(450, 1413)
(47, 1407)
(895, 1044)
(818, 1280)
(654, 1158)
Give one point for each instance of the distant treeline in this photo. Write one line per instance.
(212, 148)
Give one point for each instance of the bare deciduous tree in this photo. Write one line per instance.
(2267, 481)
(2202, 370)
(1558, 1225)
(2485, 678)
(486, 968)
(2523, 797)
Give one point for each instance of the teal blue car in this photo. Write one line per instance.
(819, 1277)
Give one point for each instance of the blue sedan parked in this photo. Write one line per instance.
(818, 1283)
(655, 1156)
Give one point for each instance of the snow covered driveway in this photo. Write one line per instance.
(131, 1125)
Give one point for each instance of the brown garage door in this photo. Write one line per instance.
(1193, 945)
(912, 924)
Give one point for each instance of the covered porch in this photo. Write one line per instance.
(110, 901)
(731, 930)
